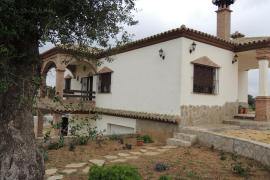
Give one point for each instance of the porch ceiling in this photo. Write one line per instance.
(247, 60)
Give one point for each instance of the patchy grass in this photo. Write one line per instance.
(183, 163)
(255, 135)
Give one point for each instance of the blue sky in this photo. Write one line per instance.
(249, 17)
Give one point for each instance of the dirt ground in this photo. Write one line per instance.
(184, 163)
(255, 135)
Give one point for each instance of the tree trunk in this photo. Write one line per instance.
(19, 156)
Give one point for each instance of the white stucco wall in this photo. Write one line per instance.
(143, 82)
(116, 125)
(228, 75)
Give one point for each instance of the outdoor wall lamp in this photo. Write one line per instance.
(161, 54)
(192, 47)
(235, 59)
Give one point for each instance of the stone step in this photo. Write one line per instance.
(178, 142)
(186, 137)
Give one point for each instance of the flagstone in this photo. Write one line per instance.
(50, 172)
(162, 150)
(56, 177)
(132, 157)
(123, 154)
(143, 150)
(118, 160)
(69, 171)
(169, 147)
(151, 148)
(111, 157)
(86, 170)
(98, 162)
(136, 153)
(151, 153)
(75, 165)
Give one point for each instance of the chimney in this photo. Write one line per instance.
(223, 18)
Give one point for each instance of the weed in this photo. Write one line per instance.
(165, 177)
(160, 167)
(240, 170)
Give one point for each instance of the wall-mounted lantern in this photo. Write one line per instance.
(161, 54)
(235, 59)
(192, 47)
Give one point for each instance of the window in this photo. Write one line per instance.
(104, 84)
(205, 79)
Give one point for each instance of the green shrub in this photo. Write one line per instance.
(82, 140)
(160, 167)
(116, 172)
(71, 146)
(147, 139)
(164, 177)
(240, 170)
(57, 145)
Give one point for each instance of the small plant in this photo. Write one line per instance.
(234, 157)
(82, 140)
(140, 141)
(193, 175)
(160, 167)
(44, 154)
(147, 139)
(71, 146)
(240, 170)
(223, 156)
(128, 146)
(165, 177)
(119, 172)
(57, 145)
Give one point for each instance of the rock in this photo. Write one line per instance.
(111, 157)
(97, 162)
(69, 171)
(123, 154)
(50, 172)
(56, 177)
(75, 165)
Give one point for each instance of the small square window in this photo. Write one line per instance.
(104, 83)
(205, 79)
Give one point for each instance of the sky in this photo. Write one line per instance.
(250, 17)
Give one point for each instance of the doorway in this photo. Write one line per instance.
(64, 126)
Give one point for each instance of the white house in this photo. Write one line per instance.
(175, 78)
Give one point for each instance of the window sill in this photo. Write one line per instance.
(196, 93)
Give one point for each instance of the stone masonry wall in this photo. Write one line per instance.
(159, 131)
(200, 115)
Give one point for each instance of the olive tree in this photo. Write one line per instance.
(25, 25)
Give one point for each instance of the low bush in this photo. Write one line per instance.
(82, 140)
(164, 177)
(147, 139)
(57, 145)
(160, 167)
(116, 172)
(240, 170)
(71, 146)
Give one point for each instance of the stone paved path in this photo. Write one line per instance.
(119, 158)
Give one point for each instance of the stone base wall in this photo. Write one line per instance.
(159, 131)
(201, 115)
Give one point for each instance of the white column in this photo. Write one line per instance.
(243, 86)
(263, 77)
